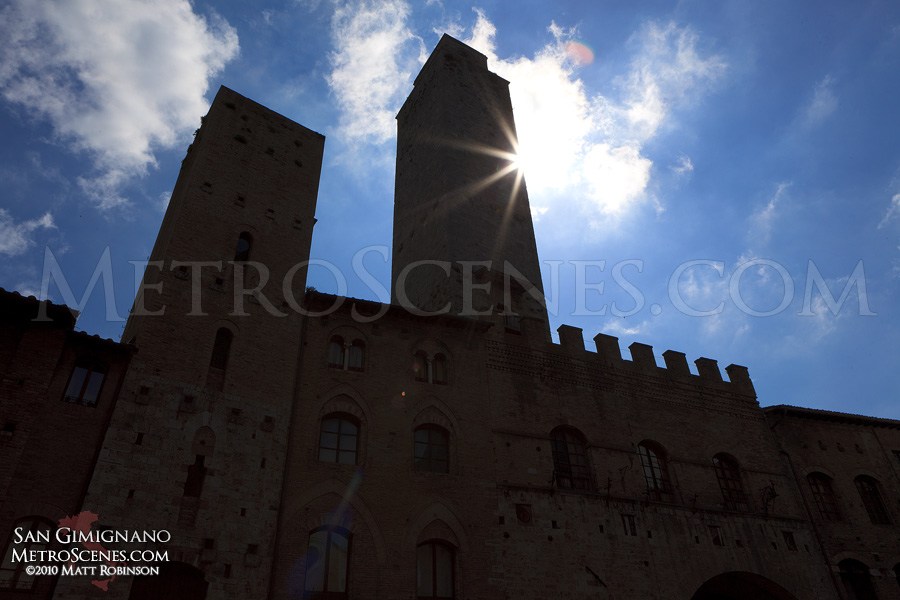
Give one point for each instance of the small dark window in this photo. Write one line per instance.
(193, 487)
(357, 358)
(336, 352)
(242, 251)
(715, 532)
(327, 559)
(789, 540)
(420, 366)
(570, 465)
(434, 571)
(823, 494)
(221, 349)
(729, 476)
(439, 369)
(85, 384)
(13, 575)
(432, 449)
(338, 440)
(656, 472)
(871, 496)
(512, 322)
(629, 525)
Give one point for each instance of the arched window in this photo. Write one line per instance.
(221, 349)
(430, 370)
(439, 369)
(656, 472)
(729, 475)
(432, 449)
(870, 492)
(242, 251)
(357, 356)
(823, 494)
(420, 366)
(193, 485)
(570, 465)
(36, 532)
(327, 561)
(336, 352)
(85, 383)
(338, 439)
(434, 570)
(856, 579)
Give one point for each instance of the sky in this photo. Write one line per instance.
(716, 178)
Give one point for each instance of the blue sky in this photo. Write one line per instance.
(714, 165)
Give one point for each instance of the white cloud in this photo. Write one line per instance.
(569, 138)
(615, 175)
(116, 79)
(16, 238)
(668, 70)
(822, 104)
(571, 143)
(892, 211)
(483, 33)
(618, 327)
(812, 330)
(372, 67)
(683, 165)
(164, 201)
(761, 221)
(537, 211)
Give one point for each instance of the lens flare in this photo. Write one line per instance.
(579, 53)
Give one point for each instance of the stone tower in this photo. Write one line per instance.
(460, 205)
(197, 441)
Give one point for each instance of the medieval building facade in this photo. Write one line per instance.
(296, 444)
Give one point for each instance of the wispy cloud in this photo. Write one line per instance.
(762, 221)
(116, 79)
(667, 70)
(375, 57)
(17, 237)
(683, 165)
(618, 327)
(569, 140)
(163, 202)
(892, 211)
(822, 104)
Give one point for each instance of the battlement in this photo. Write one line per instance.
(676, 366)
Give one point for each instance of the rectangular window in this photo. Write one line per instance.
(434, 571)
(338, 441)
(327, 558)
(629, 525)
(85, 384)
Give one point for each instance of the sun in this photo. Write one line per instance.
(521, 160)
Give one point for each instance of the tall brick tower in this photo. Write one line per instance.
(459, 204)
(197, 441)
